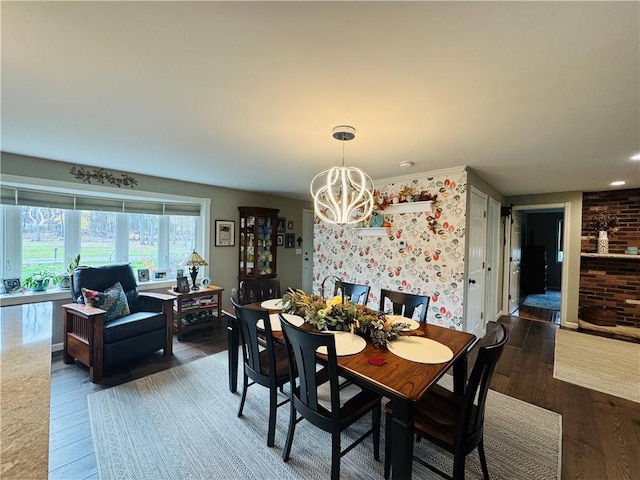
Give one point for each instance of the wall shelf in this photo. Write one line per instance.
(409, 207)
(610, 255)
(373, 232)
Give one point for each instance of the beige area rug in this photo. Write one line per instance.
(599, 363)
(182, 424)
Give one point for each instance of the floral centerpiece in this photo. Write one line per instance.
(333, 314)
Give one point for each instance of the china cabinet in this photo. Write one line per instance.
(258, 243)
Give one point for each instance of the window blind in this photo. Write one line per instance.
(10, 195)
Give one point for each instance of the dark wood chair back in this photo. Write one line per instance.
(471, 422)
(301, 348)
(252, 291)
(264, 361)
(354, 292)
(405, 304)
(455, 422)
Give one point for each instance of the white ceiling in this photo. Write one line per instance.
(535, 96)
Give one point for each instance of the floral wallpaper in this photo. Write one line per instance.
(431, 262)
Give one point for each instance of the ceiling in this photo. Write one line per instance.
(536, 97)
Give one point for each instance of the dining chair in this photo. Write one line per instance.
(454, 421)
(301, 346)
(265, 362)
(259, 290)
(354, 292)
(405, 303)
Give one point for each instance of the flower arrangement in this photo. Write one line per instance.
(407, 194)
(333, 314)
(604, 221)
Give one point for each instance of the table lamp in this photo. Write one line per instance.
(194, 261)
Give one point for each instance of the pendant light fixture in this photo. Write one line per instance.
(342, 195)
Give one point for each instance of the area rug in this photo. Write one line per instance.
(182, 424)
(550, 300)
(603, 364)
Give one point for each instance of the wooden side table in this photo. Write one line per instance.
(197, 309)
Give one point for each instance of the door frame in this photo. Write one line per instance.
(308, 222)
(566, 208)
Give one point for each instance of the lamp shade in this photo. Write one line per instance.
(195, 260)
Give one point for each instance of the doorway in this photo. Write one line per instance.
(536, 244)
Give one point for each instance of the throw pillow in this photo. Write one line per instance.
(113, 300)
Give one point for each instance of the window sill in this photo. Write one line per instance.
(55, 293)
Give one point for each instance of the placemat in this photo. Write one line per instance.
(346, 344)
(273, 304)
(421, 350)
(276, 326)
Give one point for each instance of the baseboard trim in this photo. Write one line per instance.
(56, 347)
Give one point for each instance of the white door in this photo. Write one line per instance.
(514, 262)
(477, 236)
(308, 221)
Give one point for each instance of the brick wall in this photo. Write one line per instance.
(611, 282)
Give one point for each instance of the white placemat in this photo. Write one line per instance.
(273, 304)
(413, 324)
(419, 349)
(276, 326)
(346, 344)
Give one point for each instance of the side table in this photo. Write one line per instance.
(197, 309)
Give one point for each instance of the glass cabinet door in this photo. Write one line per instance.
(257, 242)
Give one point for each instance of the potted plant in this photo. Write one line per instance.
(39, 281)
(65, 278)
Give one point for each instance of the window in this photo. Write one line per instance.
(42, 239)
(153, 233)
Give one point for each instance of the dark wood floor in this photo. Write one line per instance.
(600, 433)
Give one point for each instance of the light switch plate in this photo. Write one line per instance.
(298, 251)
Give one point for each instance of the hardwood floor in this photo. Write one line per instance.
(600, 433)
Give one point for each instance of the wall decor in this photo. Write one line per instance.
(281, 223)
(143, 275)
(280, 240)
(100, 175)
(11, 285)
(289, 240)
(159, 274)
(290, 225)
(225, 233)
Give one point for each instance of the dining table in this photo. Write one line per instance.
(402, 381)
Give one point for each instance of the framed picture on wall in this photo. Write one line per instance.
(289, 240)
(280, 239)
(290, 225)
(225, 233)
(282, 221)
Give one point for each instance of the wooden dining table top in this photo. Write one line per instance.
(397, 377)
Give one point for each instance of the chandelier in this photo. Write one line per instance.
(342, 195)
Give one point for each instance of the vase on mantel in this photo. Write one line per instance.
(603, 242)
